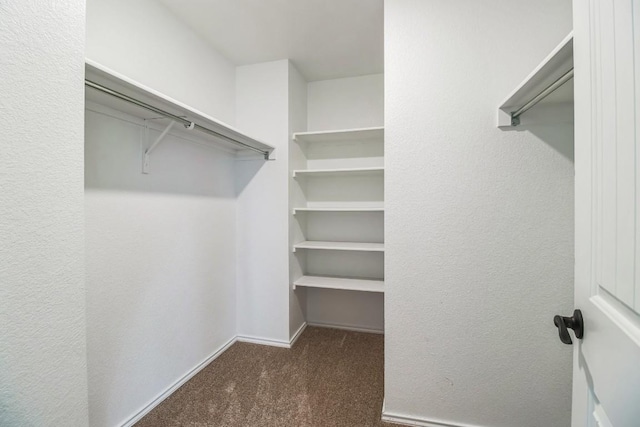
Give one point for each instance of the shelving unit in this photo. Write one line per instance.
(549, 77)
(107, 87)
(340, 283)
(340, 246)
(341, 188)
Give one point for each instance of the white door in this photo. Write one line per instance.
(606, 371)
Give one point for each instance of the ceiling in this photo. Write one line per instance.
(325, 39)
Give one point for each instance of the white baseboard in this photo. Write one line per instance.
(299, 332)
(176, 385)
(407, 420)
(346, 328)
(263, 341)
(252, 339)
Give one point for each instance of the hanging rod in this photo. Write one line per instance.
(515, 116)
(187, 123)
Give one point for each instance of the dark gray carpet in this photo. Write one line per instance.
(329, 378)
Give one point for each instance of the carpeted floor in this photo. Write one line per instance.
(329, 378)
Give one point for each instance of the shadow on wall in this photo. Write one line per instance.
(246, 169)
(553, 125)
(113, 161)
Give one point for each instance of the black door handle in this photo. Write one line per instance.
(575, 322)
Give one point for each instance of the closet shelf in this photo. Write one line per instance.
(338, 172)
(340, 246)
(340, 283)
(338, 209)
(546, 78)
(359, 134)
(151, 104)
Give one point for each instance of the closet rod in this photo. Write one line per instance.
(515, 116)
(187, 123)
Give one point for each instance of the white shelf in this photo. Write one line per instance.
(555, 65)
(340, 209)
(104, 76)
(340, 283)
(360, 134)
(340, 246)
(338, 172)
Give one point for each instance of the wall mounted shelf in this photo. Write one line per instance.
(340, 246)
(346, 172)
(359, 134)
(340, 283)
(546, 78)
(338, 209)
(341, 174)
(107, 87)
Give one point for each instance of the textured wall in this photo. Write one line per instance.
(479, 224)
(160, 267)
(262, 110)
(144, 41)
(297, 123)
(353, 102)
(43, 372)
(160, 247)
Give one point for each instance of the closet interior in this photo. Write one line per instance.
(244, 201)
(223, 203)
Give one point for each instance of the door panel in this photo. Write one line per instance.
(607, 104)
(636, 55)
(615, 152)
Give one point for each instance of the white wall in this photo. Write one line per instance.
(43, 377)
(160, 247)
(160, 262)
(479, 226)
(262, 111)
(353, 102)
(297, 123)
(142, 40)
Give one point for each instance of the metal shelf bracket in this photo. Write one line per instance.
(165, 132)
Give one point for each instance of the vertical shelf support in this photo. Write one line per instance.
(147, 153)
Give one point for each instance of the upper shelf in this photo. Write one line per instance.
(341, 135)
(557, 64)
(114, 81)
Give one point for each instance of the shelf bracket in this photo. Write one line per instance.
(165, 132)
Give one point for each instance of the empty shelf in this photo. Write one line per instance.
(341, 135)
(345, 209)
(340, 283)
(97, 75)
(339, 172)
(556, 65)
(340, 246)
